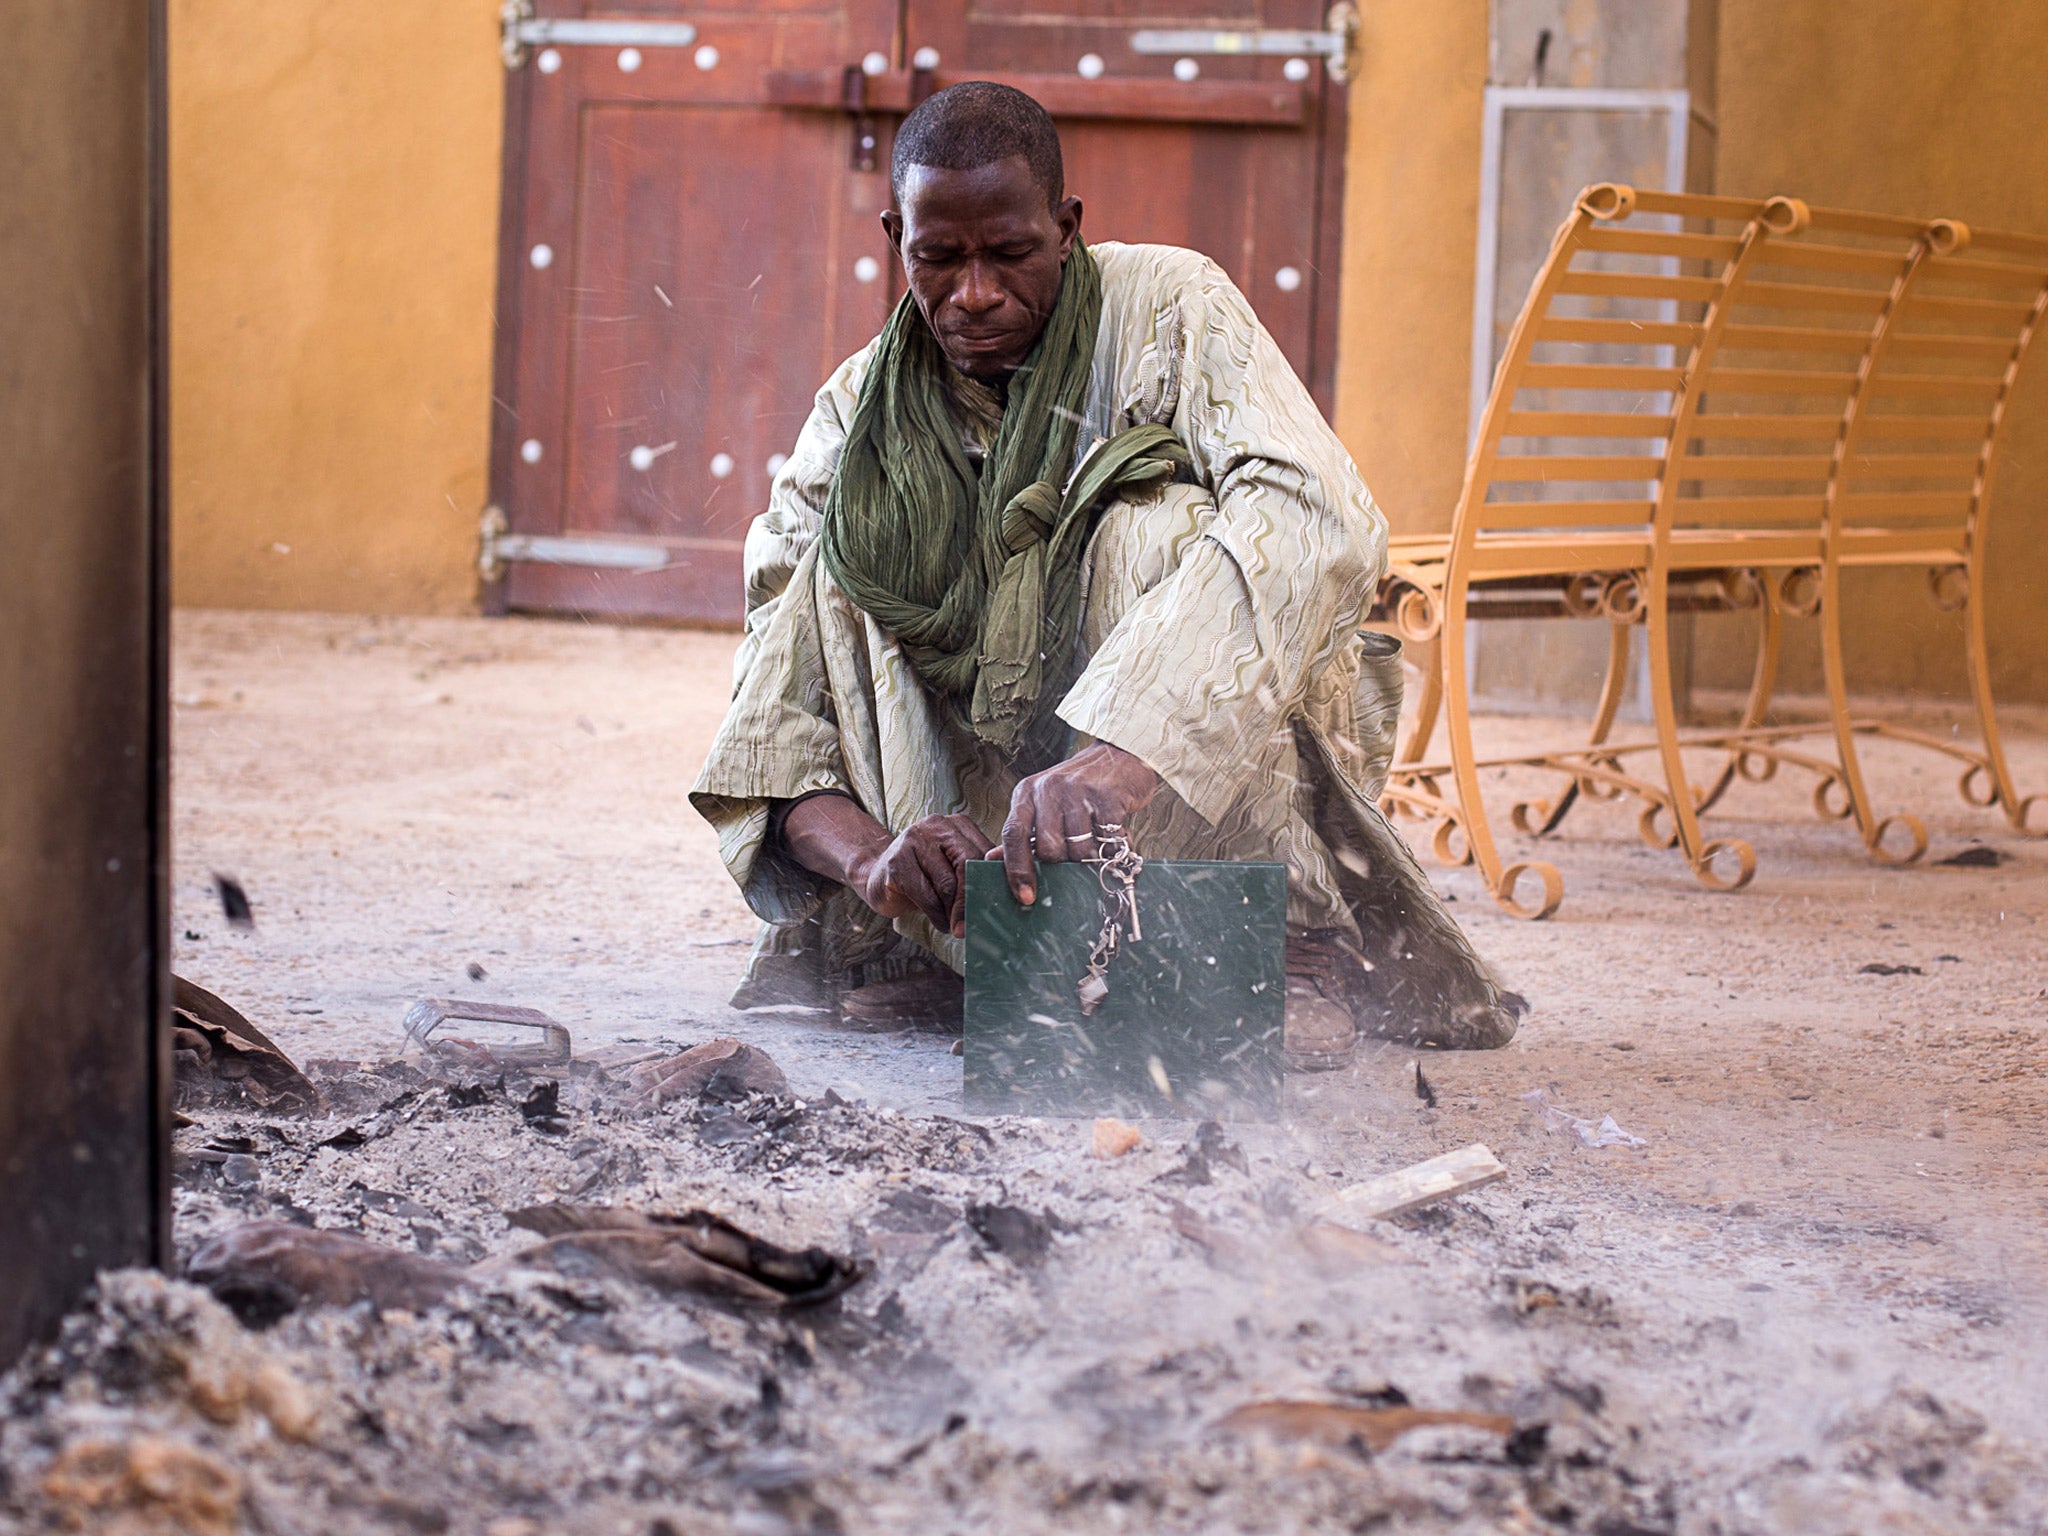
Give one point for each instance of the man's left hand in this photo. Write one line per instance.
(1054, 815)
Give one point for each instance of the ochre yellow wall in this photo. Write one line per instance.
(1411, 212)
(1921, 107)
(334, 194)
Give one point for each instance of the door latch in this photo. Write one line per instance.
(857, 99)
(498, 547)
(520, 30)
(1336, 44)
(853, 97)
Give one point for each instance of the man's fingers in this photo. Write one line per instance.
(956, 920)
(976, 840)
(935, 862)
(1079, 822)
(964, 841)
(1066, 828)
(907, 884)
(1017, 833)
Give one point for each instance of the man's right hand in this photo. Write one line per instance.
(922, 869)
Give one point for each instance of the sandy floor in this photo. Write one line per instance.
(1811, 1302)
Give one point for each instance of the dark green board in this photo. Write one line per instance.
(1203, 993)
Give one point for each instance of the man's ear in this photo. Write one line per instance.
(1068, 217)
(892, 226)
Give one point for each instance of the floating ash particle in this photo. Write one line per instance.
(234, 901)
(1423, 1088)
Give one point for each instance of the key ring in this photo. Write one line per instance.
(1117, 873)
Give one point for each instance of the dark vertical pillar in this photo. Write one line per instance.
(83, 839)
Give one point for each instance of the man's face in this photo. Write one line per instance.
(983, 253)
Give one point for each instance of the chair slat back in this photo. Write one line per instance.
(1921, 446)
(1577, 433)
(1689, 366)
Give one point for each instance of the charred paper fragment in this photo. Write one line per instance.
(542, 1108)
(689, 1251)
(265, 1269)
(1023, 1237)
(726, 1129)
(1424, 1089)
(220, 1056)
(1976, 856)
(1210, 1149)
(469, 1095)
(724, 1070)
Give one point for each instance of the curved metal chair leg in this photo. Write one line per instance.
(1539, 818)
(1501, 880)
(1872, 827)
(1428, 705)
(2001, 790)
(1700, 854)
(1762, 683)
(1613, 685)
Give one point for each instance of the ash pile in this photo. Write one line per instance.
(454, 1294)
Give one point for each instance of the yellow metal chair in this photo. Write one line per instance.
(1729, 363)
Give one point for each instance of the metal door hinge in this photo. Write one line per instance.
(1336, 44)
(519, 30)
(498, 547)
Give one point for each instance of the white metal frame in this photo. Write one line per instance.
(1500, 101)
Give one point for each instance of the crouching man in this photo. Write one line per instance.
(1067, 547)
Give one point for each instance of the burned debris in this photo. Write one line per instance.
(220, 1057)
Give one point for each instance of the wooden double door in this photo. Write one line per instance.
(691, 242)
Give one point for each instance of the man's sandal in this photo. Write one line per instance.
(931, 1000)
(1319, 1034)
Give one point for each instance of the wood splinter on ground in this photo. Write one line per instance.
(1113, 1138)
(1453, 1173)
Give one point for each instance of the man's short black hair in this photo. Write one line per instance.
(977, 123)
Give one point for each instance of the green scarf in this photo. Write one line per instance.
(979, 578)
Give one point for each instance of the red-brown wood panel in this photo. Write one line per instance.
(684, 263)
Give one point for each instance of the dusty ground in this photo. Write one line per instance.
(1810, 1303)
